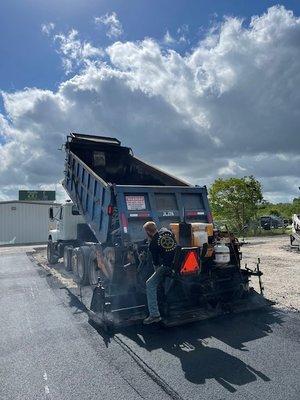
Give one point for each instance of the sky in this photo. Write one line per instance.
(201, 89)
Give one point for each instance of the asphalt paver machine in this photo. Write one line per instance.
(115, 193)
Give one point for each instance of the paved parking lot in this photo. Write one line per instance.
(50, 351)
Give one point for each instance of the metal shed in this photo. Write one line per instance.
(24, 222)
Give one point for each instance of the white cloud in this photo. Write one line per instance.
(48, 28)
(232, 168)
(76, 52)
(180, 38)
(114, 26)
(168, 39)
(182, 32)
(231, 106)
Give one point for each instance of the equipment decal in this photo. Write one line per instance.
(135, 203)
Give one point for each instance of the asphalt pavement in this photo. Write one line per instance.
(48, 350)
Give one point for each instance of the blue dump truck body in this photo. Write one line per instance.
(103, 177)
(117, 193)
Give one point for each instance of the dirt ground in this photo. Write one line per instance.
(280, 266)
(57, 270)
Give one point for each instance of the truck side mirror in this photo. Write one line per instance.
(51, 213)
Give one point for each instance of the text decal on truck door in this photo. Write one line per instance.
(168, 214)
(135, 203)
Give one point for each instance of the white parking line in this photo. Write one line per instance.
(46, 387)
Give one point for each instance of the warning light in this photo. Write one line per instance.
(190, 264)
(110, 210)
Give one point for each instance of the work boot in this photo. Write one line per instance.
(151, 320)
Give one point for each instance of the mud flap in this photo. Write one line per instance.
(98, 299)
(97, 311)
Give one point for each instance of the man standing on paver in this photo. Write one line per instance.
(162, 248)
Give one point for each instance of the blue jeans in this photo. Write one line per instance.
(152, 284)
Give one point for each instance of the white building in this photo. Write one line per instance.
(24, 221)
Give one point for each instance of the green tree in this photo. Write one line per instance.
(274, 211)
(285, 210)
(235, 200)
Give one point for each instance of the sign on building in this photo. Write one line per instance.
(37, 195)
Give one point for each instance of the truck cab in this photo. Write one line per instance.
(67, 218)
(70, 230)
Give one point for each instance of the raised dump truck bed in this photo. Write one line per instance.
(103, 179)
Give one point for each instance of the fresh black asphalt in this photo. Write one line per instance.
(49, 350)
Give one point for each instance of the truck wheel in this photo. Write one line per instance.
(94, 271)
(68, 258)
(52, 257)
(74, 260)
(82, 264)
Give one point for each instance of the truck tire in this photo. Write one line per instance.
(74, 260)
(94, 271)
(68, 258)
(83, 254)
(52, 256)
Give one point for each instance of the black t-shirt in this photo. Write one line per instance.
(162, 247)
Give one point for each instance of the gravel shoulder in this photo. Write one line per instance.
(280, 266)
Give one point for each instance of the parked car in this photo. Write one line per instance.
(269, 222)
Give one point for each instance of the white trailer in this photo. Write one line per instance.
(295, 236)
(25, 222)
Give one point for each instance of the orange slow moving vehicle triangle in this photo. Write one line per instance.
(190, 263)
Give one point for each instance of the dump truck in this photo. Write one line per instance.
(101, 238)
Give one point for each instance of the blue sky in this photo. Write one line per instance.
(28, 57)
(216, 97)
